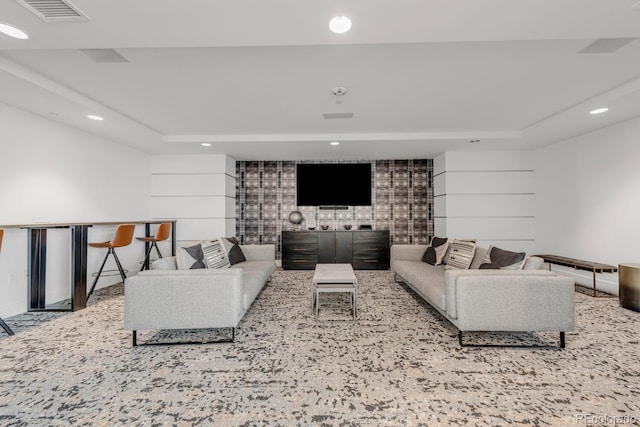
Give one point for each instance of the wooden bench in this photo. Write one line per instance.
(580, 264)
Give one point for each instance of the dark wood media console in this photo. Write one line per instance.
(364, 250)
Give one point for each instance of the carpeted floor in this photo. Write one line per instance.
(398, 364)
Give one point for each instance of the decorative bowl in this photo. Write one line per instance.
(295, 217)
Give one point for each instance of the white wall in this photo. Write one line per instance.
(588, 199)
(54, 173)
(487, 196)
(197, 190)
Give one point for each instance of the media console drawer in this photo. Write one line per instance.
(299, 250)
(365, 250)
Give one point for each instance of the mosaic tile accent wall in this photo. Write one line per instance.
(402, 202)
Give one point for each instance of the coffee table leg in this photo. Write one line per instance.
(354, 304)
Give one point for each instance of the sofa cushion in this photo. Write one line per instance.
(255, 274)
(461, 254)
(435, 252)
(166, 263)
(266, 268)
(190, 257)
(533, 263)
(497, 258)
(425, 279)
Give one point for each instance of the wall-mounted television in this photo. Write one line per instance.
(333, 184)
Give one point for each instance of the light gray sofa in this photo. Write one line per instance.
(525, 300)
(191, 299)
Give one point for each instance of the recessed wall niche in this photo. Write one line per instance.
(402, 202)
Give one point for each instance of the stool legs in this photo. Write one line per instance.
(104, 261)
(145, 263)
(6, 327)
(157, 250)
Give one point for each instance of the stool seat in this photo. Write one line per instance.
(164, 229)
(123, 237)
(104, 245)
(147, 239)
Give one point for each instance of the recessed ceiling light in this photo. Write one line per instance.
(205, 144)
(335, 143)
(340, 24)
(94, 117)
(600, 110)
(12, 31)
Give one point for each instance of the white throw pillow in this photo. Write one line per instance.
(460, 254)
(215, 254)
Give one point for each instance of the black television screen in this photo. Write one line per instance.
(333, 184)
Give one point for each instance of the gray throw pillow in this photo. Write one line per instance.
(190, 258)
(234, 253)
(435, 252)
(497, 258)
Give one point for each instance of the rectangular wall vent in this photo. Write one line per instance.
(54, 10)
(338, 115)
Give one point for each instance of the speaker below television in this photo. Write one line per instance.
(333, 208)
(365, 227)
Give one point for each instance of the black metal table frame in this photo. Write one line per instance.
(79, 234)
(577, 264)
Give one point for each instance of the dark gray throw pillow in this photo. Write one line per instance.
(430, 256)
(489, 266)
(500, 258)
(234, 253)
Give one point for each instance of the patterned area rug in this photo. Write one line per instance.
(398, 364)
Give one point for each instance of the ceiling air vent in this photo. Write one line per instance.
(104, 55)
(338, 115)
(54, 10)
(606, 45)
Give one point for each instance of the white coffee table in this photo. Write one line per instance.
(329, 278)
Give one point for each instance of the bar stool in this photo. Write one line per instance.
(123, 237)
(6, 327)
(162, 234)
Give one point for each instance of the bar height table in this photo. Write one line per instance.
(37, 263)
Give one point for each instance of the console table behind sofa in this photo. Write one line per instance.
(579, 264)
